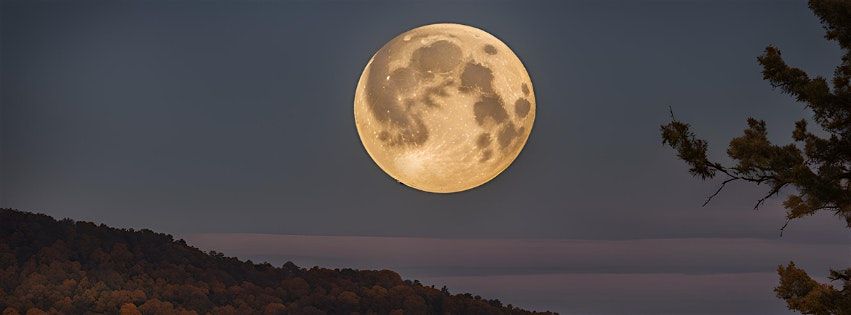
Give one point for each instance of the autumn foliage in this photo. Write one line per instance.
(67, 267)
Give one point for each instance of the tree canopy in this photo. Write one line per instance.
(68, 267)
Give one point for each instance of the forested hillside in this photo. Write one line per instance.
(69, 267)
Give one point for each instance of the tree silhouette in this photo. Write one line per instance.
(815, 169)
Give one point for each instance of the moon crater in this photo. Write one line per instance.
(444, 107)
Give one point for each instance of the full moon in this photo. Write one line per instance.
(444, 107)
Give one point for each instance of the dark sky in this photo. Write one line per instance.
(212, 117)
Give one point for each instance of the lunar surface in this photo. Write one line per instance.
(444, 107)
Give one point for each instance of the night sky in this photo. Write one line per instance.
(230, 124)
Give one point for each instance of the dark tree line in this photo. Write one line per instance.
(814, 170)
(67, 267)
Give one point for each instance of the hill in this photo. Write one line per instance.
(71, 267)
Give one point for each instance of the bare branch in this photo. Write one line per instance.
(708, 199)
(783, 228)
(774, 191)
